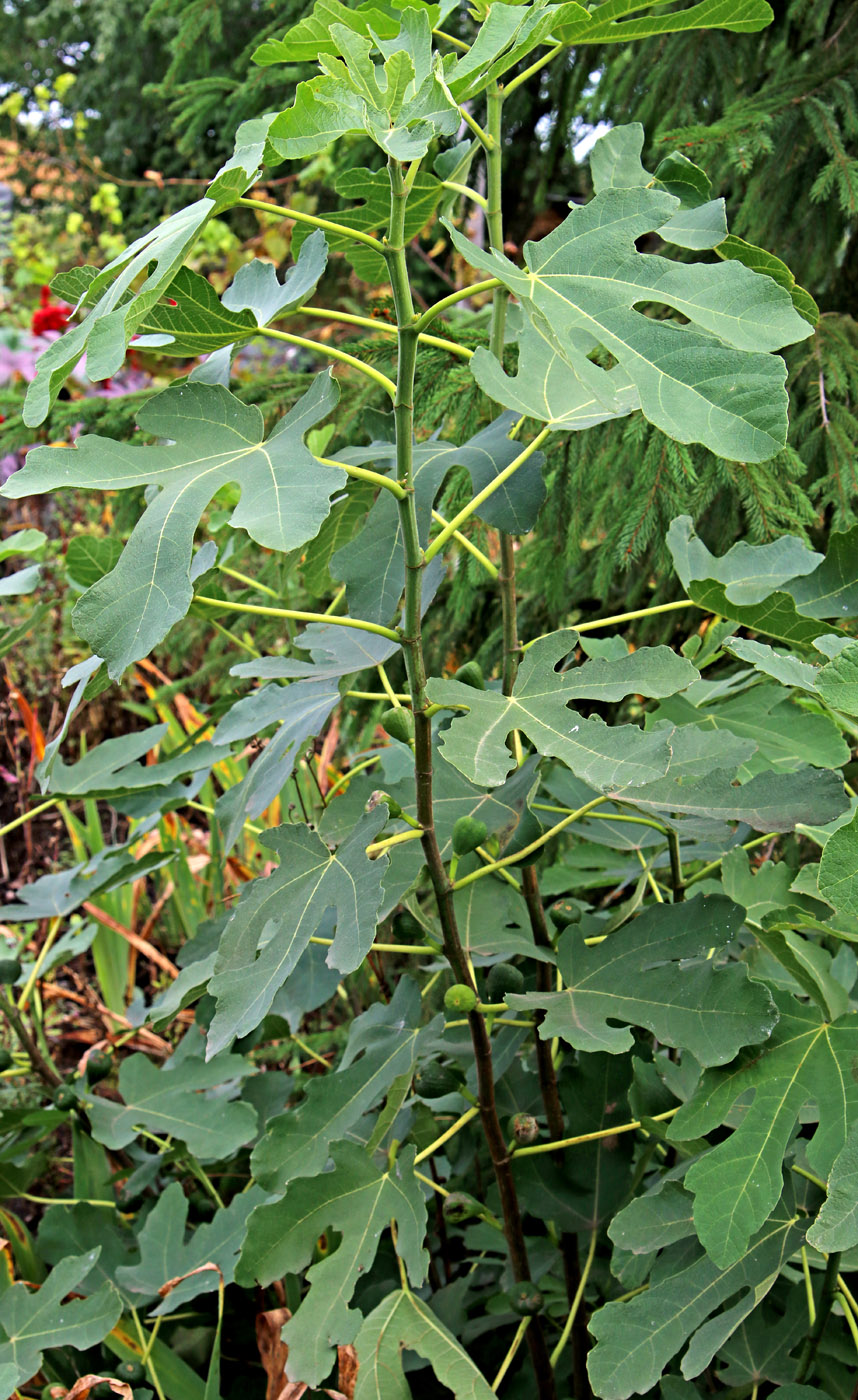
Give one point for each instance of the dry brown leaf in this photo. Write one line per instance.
(346, 1372)
(85, 1384)
(203, 1269)
(273, 1351)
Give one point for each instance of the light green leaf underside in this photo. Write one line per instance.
(214, 439)
(787, 669)
(709, 381)
(403, 1322)
(836, 1226)
(604, 23)
(402, 104)
(276, 917)
(546, 388)
(115, 314)
(838, 869)
(838, 681)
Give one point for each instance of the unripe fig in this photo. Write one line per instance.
(65, 1098)
(99, 1065)
(433, 1081)
(503, 978)
(526, 1299)
(390, 803)
(10, 971)
(460, 997)
(399, 724)
(459, 1206)
(564, 913)
(525, 1129)
(5, 1060)
(470, 674)
(468, 834)
(131, 1372)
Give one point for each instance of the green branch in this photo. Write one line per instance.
(532, 847)
(461, 295)
(528, 73)
(363, 474)
(328, 225)
(349, 319)
(296, 616)
(332, 353)
(457, 1127)
(539, 1147)
(482, 496)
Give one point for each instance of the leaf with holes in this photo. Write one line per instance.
(545, 387)
(615, 757)
(706, 380)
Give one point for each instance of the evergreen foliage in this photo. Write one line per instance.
(773, 118)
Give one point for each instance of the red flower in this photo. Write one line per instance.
(50, 315)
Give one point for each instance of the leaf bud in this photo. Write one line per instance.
(377, 797)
